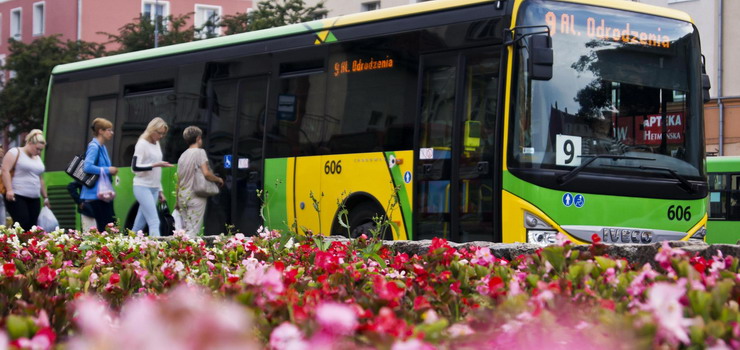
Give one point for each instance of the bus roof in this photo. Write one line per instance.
(330, 23)
(725, 164)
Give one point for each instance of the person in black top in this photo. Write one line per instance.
(85, 209)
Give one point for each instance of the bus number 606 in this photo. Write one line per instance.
(333, 167)
(677, 212)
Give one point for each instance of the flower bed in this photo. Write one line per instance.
(108, 290)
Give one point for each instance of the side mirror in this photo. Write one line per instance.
(705, 86)
(540, 60)
(705, 83)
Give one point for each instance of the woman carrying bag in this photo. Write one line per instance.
(97, 161)
(147, 166)
(193, 163)
(22, 169)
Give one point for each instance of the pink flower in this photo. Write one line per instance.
(665, 253)
(337, 318)
(411, 344)
(663, 302)
(287, 337)
(482, 256)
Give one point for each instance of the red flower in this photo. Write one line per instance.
(495, 285)
(399, 261)
(279, 265)
(438, 243)
(9, 269)
(233, 279)
(46, 276)
(595, 239)
(169, 273)
(387, 290)
(608, 304)
(114, 278)
(699, 264)
(421, 303)
(455, 287)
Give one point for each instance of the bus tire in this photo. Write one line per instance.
(360, 218)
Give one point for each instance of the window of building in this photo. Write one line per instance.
(153, 9)
(39, 18)
(207, 18)
(16, 23)
(370, 6)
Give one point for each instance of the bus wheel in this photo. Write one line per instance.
(361, 221)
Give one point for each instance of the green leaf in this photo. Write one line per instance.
(556, 256)
(379, 260)
(605, 263)
(17, 327)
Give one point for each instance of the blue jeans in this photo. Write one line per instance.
(147, 215)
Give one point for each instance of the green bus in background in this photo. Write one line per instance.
(724, 200)
(505, 121)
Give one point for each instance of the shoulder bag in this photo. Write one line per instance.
(201, 186)
(76, 169)
(12, 171)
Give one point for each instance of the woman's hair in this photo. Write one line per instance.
(35, 136)
(191, 134)
(154, 125)
(100, 124)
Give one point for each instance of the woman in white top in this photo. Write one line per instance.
(146, 165)
(193, 161)
(25, 186)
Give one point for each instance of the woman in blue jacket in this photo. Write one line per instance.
(97, 158)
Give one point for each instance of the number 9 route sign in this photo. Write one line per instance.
(568, 150)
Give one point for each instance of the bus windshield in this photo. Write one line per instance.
(623, 86)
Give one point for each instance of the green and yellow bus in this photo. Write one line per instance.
(508, 121)
(724, 199)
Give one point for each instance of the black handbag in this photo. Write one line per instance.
(76, 169)
(166, 220)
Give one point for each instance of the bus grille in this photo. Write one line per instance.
(63, 206)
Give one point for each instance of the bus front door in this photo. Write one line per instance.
(234, 145)
(456, 142)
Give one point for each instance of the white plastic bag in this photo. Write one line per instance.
(178, 220)
(105, 189)
(47, 220)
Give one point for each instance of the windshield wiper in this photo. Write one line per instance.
(685, 184)
(562, 180)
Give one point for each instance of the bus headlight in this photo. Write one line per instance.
(699, 235)
(539, 231)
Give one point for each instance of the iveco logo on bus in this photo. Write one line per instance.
(619, 235)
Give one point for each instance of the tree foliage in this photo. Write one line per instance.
(23, 99)
(273, 14)
(139, 34)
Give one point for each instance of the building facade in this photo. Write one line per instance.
(344, 7)
(27, 20)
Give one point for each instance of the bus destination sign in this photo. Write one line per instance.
(362, 65)
(599, 28)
